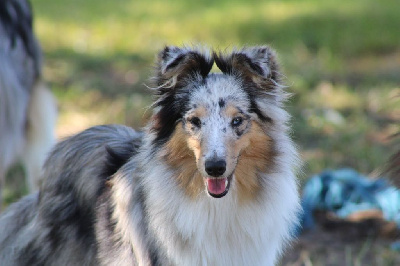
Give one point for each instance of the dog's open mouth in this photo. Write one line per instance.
(218, 187)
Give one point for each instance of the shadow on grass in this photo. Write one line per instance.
(117, 74)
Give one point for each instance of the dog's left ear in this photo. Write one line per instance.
(177, 66)
(256, 64)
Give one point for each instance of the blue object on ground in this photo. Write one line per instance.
(345, 191)
(395, 246)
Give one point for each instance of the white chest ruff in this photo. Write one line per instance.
(210, 231)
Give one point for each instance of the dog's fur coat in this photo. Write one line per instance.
(27, 108)
(113, 196)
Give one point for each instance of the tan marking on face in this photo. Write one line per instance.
(181, 158)
(200, 112)
(256, 156)
(194, 145)
(231, 111)
(193, 142)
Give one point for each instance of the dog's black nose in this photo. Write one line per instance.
(215, 168)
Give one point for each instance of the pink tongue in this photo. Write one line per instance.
(216, 186)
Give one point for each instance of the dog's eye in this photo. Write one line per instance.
(195, 121)
(237, 121)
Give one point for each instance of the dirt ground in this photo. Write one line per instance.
(334, 242)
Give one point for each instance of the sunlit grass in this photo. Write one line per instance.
(143, 26)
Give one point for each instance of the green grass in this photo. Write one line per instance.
(341, 59)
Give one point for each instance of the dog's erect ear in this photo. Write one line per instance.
(176, 66)
(257, 64)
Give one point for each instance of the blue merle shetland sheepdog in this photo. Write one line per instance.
(209, 181)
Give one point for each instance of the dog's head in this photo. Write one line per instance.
(213, 129)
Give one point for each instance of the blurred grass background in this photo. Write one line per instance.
(341, 59)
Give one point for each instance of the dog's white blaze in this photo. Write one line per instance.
(213, 136)
(215, 143)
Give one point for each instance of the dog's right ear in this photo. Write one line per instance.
(177, 66)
